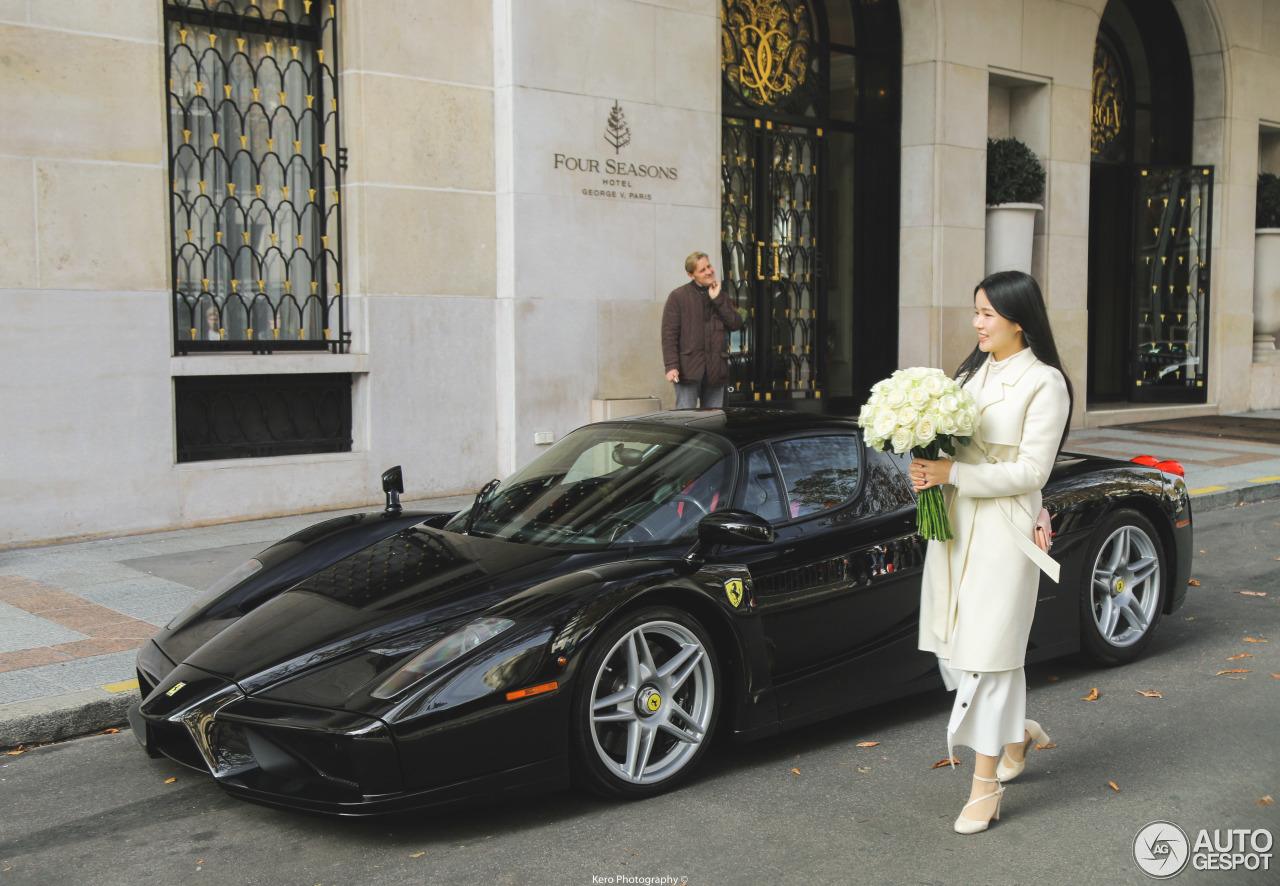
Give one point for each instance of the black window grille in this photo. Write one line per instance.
(257, 416)
(255, 169)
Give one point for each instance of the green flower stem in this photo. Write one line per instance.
(931, 511)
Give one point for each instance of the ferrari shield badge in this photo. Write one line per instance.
(733, 590)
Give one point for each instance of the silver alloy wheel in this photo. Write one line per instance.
(1125, 589)
(652, 702)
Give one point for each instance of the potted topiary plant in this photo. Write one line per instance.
(1015, 185)
(1266, 269)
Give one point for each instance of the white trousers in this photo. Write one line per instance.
(989, 710)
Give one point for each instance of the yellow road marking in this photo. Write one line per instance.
(1266, 479)
(1203, 489)
(121, 687)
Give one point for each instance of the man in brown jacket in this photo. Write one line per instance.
(695, 342)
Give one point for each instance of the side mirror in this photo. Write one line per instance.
(734, 527)
(628, 458)
(727, 527)
(393, 486)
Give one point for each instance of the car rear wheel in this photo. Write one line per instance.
(1124, 589)
(646, 704)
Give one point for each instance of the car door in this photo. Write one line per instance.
(838, 590)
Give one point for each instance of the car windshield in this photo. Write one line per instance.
(609, 484)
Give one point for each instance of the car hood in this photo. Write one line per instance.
(415, 578)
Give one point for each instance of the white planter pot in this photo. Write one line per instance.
(1266, 293)
(1011, 228)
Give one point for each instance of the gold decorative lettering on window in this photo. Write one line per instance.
(1108, 100)
(765, 49)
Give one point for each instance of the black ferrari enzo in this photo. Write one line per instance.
(599, 615)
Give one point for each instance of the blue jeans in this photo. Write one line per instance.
(689, 392)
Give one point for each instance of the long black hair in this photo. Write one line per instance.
(1016, 296)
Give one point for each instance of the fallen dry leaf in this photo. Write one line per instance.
(1149, 693)
(108, 731)
(18, 750)
(1253, 593)
(1115, 787)
(796, 771)
(1253, 640)
(1093, 694)
(1266, 801)
(949, 762)
(1045, 747)
(1277, 676)
(867, 744)
(1194, 583)
(1233, 671)
(417, 854)
(170, 780)
(1241, 655)
(1052, 679)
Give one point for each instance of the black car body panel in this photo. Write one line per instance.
(278, 685)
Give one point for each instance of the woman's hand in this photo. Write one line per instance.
(926, 473)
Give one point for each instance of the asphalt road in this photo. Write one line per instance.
(807, 807)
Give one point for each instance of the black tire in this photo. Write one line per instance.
(642, 722)
(1122, 589)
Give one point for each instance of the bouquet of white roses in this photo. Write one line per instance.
(923, 412)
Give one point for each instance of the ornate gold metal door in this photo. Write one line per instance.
(1170, 320)
(770, 258)
(771, 192)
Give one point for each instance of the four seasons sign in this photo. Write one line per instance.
(615, 178)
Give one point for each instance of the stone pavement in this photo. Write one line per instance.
(73, 615)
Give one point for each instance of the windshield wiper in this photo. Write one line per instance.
(481, 502)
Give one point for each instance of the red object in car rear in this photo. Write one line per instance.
(1168, 466)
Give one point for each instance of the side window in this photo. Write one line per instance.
(818, 472)
(761, 493)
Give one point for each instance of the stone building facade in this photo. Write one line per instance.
(502, 193)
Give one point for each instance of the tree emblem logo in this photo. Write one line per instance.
(616, 131)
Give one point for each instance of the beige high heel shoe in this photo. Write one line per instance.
(1009, 769)
(971, 826)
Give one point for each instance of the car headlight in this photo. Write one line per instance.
(219, 587)
(440, 653)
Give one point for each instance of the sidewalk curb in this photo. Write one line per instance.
(1230, 498)
(59, 717)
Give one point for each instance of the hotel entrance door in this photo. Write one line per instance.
(771, 194)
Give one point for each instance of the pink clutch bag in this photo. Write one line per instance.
(1043, 532)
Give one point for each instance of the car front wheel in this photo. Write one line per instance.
(1124, 592)
(646, 704)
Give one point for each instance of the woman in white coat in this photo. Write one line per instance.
(979, 589)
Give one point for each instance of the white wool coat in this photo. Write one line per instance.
(978, 591)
